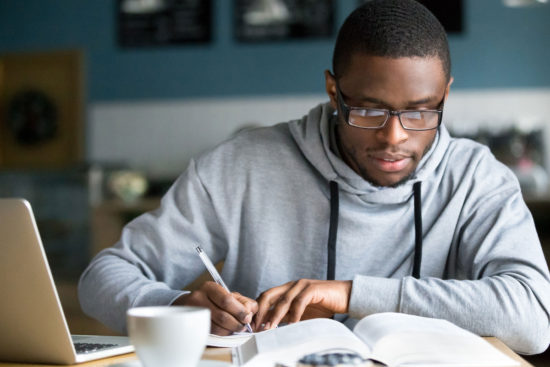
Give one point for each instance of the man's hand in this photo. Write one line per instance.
(300, 300)
(229, 312)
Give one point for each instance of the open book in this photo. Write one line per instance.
(390, 338)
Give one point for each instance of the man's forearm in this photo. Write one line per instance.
(501, 306)
(111, 285)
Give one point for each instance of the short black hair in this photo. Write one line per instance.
(394, 29)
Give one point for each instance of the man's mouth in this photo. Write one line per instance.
(390, 163)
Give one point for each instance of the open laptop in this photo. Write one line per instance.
(32, 324)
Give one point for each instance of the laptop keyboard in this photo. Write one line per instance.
(91, 347)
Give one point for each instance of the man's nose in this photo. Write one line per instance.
(393, 133)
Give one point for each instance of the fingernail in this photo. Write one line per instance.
(267, 325)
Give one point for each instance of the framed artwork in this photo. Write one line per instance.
(163, 22)
(275, 20)
(41, 104)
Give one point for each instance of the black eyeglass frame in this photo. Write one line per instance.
(346, 112)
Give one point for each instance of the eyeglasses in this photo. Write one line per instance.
(376, 118)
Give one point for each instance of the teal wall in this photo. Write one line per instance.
(500, 47)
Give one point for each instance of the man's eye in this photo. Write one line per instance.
(373, 113)
(414, 115)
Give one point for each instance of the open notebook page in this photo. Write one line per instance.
(233, 340)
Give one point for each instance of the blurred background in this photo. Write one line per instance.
(103, 102)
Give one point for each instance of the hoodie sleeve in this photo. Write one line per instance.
(155, 257)
(503, 289)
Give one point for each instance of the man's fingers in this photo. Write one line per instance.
(225, 320)
(298, 306)
(265, 302)
(292, 299)
(222, 323)
(220, 330)
(249, 304)
(240, 314)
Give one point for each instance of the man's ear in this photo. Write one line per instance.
(330, 86)
(448, 89)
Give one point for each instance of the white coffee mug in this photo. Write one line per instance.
(169, 336)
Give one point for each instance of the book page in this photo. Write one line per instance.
(430, 349)
(286, 345)
(375, 327)
(409, 340)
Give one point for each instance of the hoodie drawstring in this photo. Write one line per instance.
(417, 229)
(333, 229)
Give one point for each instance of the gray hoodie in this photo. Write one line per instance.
(261, 201)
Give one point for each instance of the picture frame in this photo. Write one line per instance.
(163, 22)
(41, 100)
(282, 20)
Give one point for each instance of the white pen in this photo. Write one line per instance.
(215, 275)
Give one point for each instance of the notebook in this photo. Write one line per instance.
(33, 326)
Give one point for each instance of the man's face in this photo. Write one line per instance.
(387, 156)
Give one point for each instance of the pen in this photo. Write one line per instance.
(215, 275)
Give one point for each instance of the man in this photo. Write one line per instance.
(365, 205)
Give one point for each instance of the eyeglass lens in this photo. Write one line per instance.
(372, 118)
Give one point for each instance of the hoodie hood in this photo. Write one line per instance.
(313, 134)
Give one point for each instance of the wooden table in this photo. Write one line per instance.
(224, 354)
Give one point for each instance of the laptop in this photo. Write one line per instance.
(33, 327)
